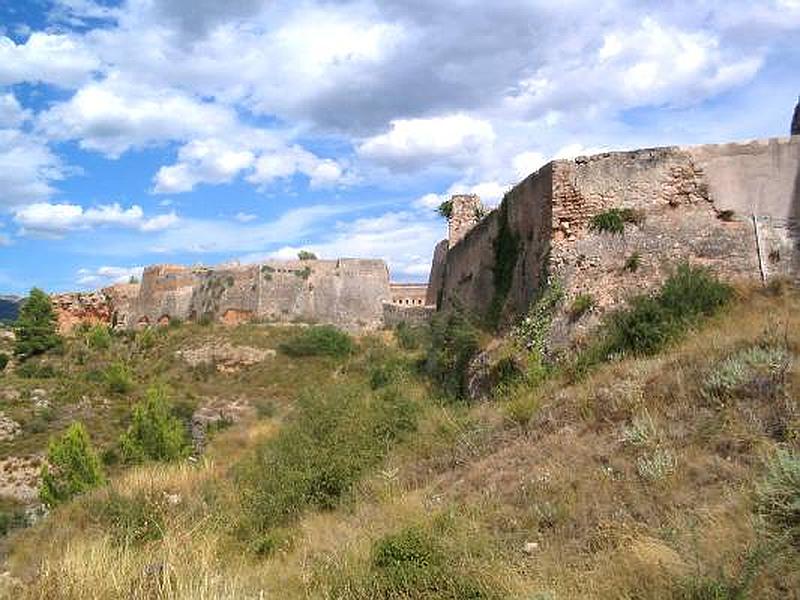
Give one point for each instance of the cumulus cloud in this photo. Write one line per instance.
(414, 142)
(27, 168)
(114, 115)
(59, 59)
(57, 219)
(11, 112)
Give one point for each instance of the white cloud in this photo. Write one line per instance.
(414, 142)
(103, 276)
(27, 168)
(243, 217)
(58, 59)
(11, 113)
(57, 219)
(115, 115)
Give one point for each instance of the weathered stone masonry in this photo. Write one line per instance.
(731, 207)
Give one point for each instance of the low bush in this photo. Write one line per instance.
(614, 220)
(778, 498)
(632, 263)
(4, 359)
(35, 370)
(130, 520)
(410, 337)
(454, 342)
(72, 467)
(319, 340)
(98, 337)
(118, 378)
(331, 440)
(419, 562)
(154, 433)
(582, 304)
(10, 520)
(652, 321)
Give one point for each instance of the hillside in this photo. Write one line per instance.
(333, 468)
(9, 306)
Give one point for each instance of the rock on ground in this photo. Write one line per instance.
(226, 357)
(19, 477)
(9, 428)
(216, 413)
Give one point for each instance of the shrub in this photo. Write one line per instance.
(614, 220)
(131, 520)
(320, 340)
(306, 255)
(778, 498)
(410, 337)
(582, 304)
(652, 321)
(98, 337)
(154, 433)
(758, 365)
(72, 467)
(34, 370)
(415, 563)
(533, 329)
(633, 263)
(36, 330)
(118, 378)
(331, 440)
(454, 341)
(11, 520)
(445, 209)
(3, 361)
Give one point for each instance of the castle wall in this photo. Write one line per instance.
(693, 204)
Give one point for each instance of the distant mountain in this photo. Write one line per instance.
(9, 307)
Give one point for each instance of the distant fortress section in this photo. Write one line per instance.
(348, 293)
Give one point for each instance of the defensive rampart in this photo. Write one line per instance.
(732, 207)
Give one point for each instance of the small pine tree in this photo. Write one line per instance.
(36, 326)
(72, 467)
(154, 433)
(306, 255)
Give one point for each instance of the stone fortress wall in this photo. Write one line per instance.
(732, 207)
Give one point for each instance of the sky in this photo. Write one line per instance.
(202, 131)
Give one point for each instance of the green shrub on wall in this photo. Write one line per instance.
(454, 341)
(614, 220)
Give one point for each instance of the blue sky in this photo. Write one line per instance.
(198, 131)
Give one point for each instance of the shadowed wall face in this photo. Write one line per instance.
(796, 120)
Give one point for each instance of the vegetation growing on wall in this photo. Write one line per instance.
(506, 255)
(454, 340)
(445, 209)
(613, 221)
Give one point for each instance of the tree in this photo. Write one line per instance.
(154, 433)
(36, 326)
(306, 255)
(445, 209)
(72, 467)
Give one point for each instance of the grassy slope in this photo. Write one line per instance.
(634, 483)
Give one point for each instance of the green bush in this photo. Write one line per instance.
(582, 304)
(3, 361)
(130, 520)
(72, 467)
(320, 340)
(454, 342)
(98, 337)
(10, 520)
(445, 209)
(778, 499)
(414, 563)
(632, 263)
(410, 337)
(306, 255)
(154, 433)
(34, 370)
(36, 326)
(614, 220)
(329, 442)
(118, 378)
(652, 321)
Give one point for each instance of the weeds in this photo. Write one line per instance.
(118, 378)
(582, 304)
(778, 498)
(613, 221)
(454, 341)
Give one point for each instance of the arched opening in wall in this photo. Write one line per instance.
(234, 316)
(163, 320)
(193, 316)
(143, 322)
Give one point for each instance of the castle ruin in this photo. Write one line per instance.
(734, 208)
